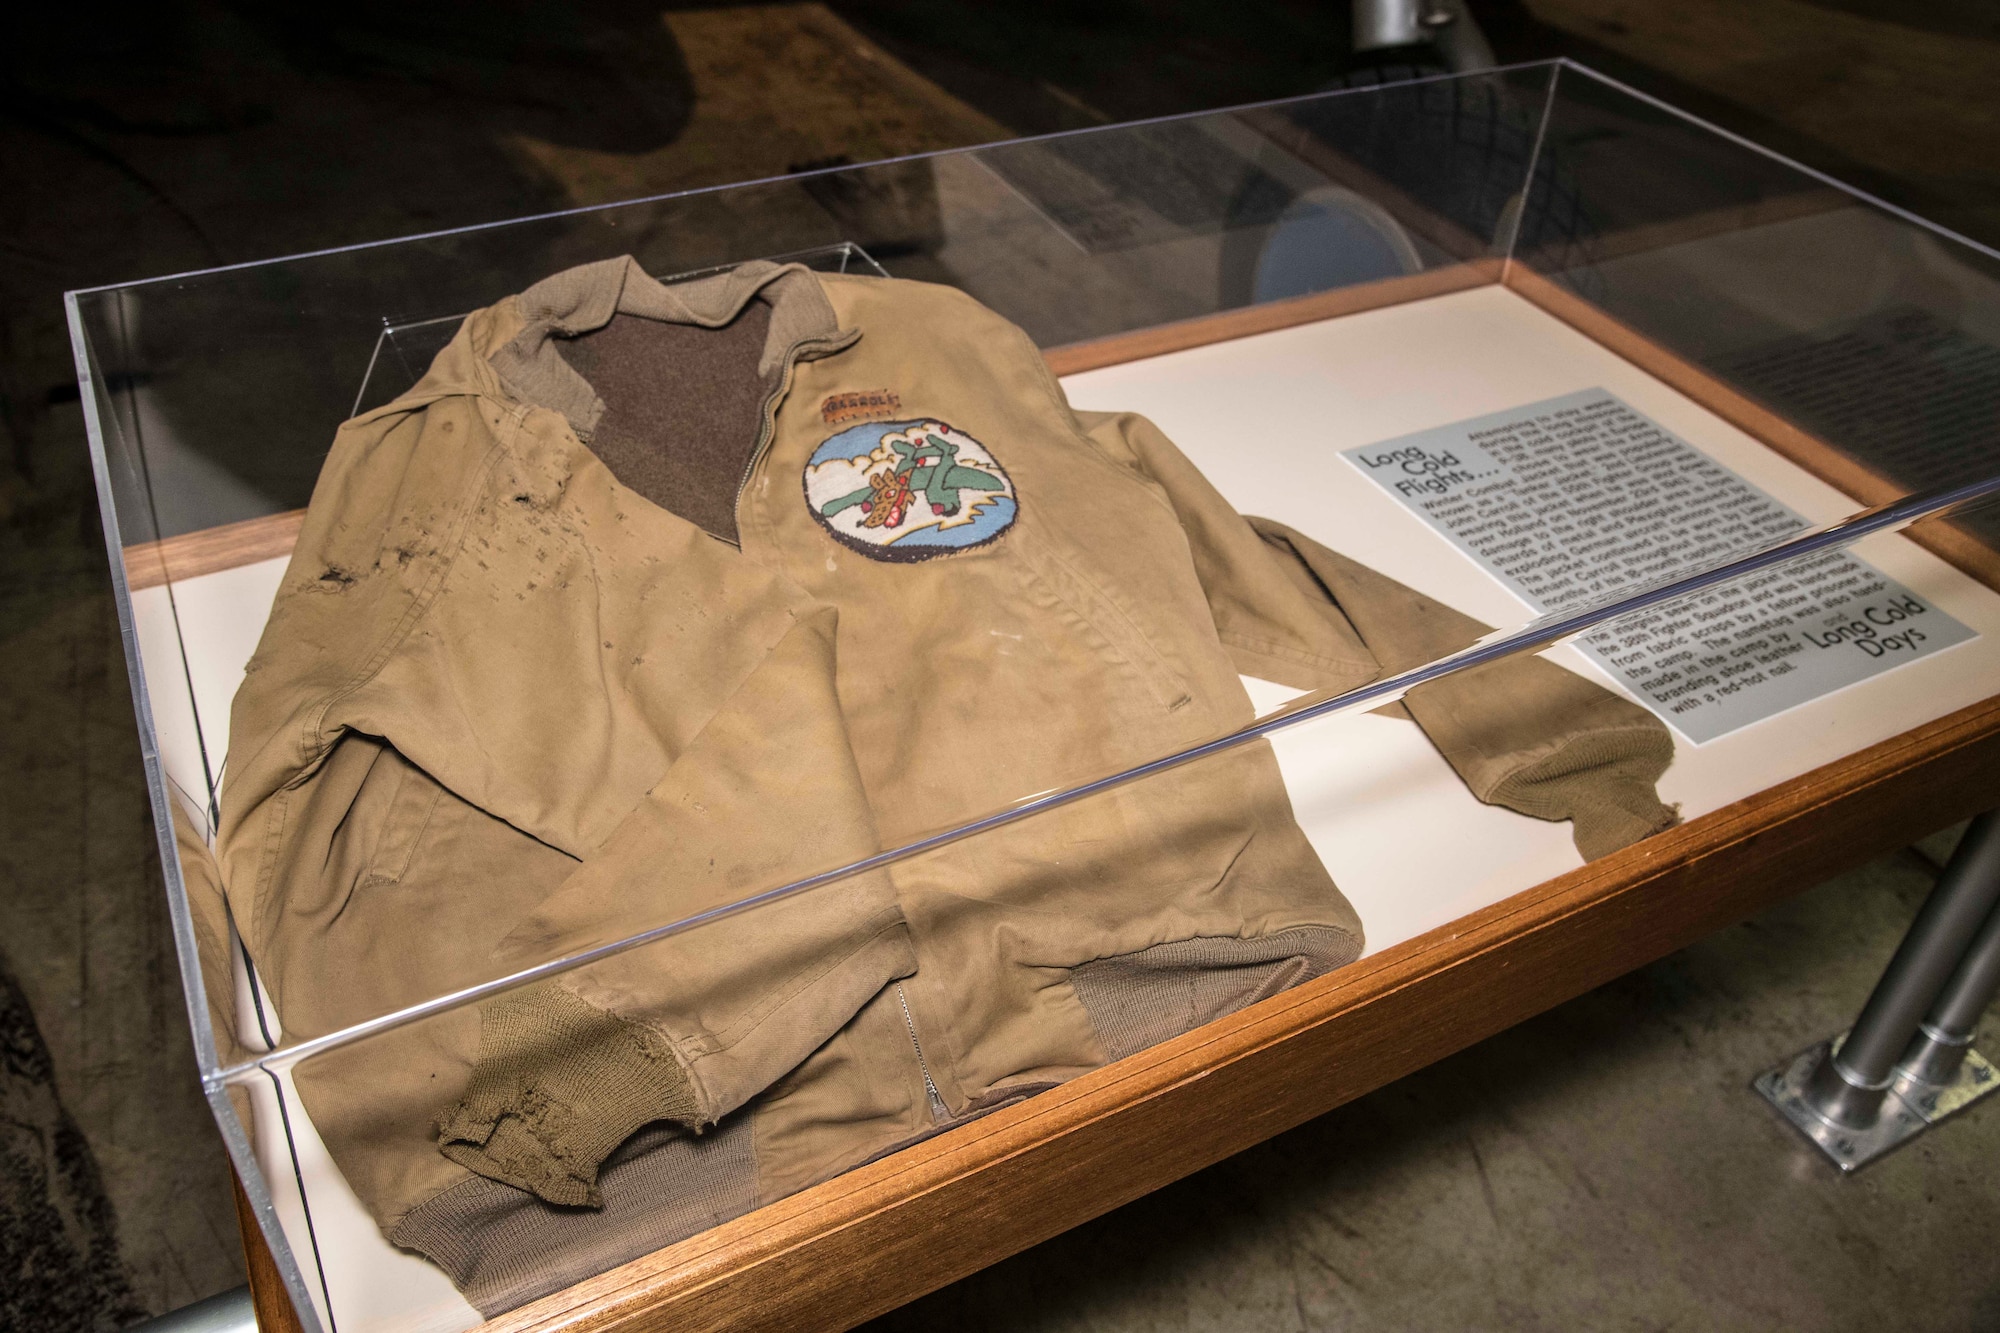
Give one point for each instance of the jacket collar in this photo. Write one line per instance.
(584, 298)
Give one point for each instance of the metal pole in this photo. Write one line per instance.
(1850, 1083)
(1943, 1038)
(1386, 23)
(1456, 35)
(1908, 1062)
(1447, 25)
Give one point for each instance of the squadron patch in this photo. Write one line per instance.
(908, 490)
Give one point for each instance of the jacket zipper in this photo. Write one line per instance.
(939, 1111)
(768, 425)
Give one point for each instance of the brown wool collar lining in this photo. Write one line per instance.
(584, 298)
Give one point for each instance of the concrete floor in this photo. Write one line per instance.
(1602, 1166)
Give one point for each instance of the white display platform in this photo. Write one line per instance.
(1370, 792)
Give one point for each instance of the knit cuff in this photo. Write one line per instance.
(1602, 782)
(559, 1084)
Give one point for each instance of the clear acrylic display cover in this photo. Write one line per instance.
(1280, 288)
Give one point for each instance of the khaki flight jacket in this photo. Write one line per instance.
(647, 598)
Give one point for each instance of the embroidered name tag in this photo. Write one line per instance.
(867, 405)
(908, 490)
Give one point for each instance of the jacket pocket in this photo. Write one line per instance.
(1116, 635)
(1137, 1000)
(414, 801)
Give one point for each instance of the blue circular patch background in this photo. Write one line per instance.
(908, 490)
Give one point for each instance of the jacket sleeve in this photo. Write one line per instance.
(1523, 732)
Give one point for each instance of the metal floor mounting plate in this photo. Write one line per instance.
(1907, 1111)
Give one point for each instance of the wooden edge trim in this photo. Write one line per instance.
(267, 1290)
(1248, 320)
(150, 564)
(1941, 537)
(843, 1251)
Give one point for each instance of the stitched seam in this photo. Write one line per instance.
(942, 1033)
(1053, 389)
(1528, 760)
(1555, 750)
(267, 868)
(1280, 938)
(1149, 664)
(1093, 634)
(691, 1062)
(1291, 654)
(472, 1179)
(1113, 599)
(416, 840)
(1548, 750)
(733, 1035)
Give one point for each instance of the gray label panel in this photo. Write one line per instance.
(1569, 500)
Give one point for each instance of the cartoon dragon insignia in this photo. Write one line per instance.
(928, 470)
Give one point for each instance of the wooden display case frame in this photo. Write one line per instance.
(879, 1236)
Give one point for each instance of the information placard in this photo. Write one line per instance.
(1580, 497)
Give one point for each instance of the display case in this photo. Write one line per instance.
(980, 821)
